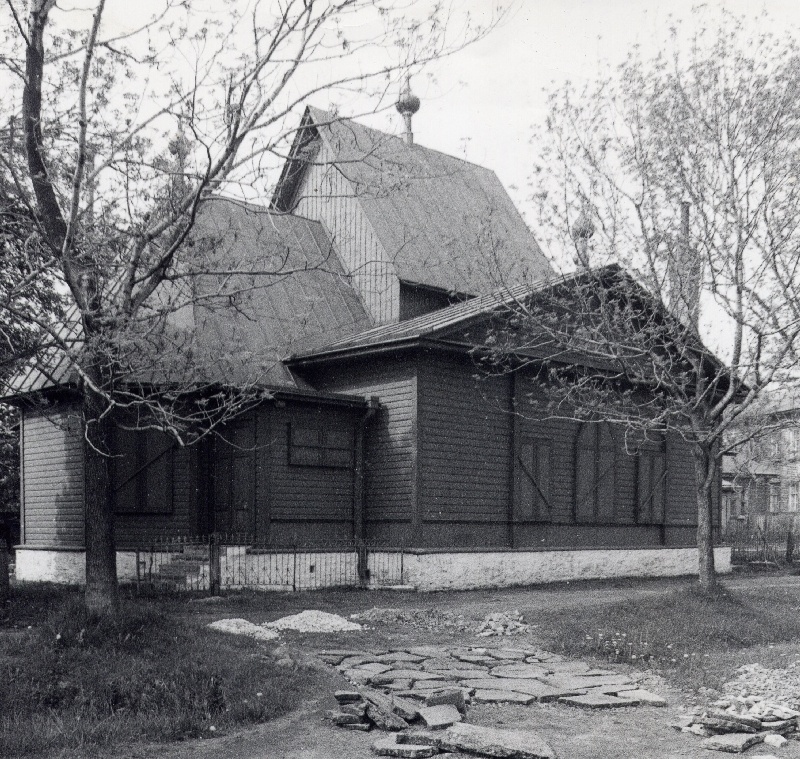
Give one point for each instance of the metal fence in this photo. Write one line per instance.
(762, 538)
(219, 562)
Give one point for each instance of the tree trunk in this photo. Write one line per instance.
(705, 477)
(102, 591)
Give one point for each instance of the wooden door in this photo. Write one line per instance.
(234, 478)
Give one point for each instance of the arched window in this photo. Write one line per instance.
(595, 473)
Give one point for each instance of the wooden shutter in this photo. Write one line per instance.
(606, 474)
(585, 474)
(533, 480)
(651, 486)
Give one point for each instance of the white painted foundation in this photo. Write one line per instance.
(421, 570)
(495, 569)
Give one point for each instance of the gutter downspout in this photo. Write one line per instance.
(359, 495)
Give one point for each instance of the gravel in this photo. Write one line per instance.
(428, 619)
(313, 621)
(243, 627)
(755, 683)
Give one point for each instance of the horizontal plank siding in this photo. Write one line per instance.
(52, 452)
(465, 436)
(301, 492)
(390, 436)
(681, 506)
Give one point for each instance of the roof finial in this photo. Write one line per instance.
(407, 105)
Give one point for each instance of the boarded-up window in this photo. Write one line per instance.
(595, 473)
(533, 480)
(314, 445)
(142, 472)
(651, 484)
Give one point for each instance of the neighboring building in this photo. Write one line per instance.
(763, 475)
(377, 427)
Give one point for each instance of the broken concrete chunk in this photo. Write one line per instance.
(733, 743)
(498, 742)
(390, 747)
(742, 719)
(439, 717)
(380, 709)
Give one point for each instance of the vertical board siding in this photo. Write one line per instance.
(325, 195)
(52, 450)
(389, 440)
(465, 437)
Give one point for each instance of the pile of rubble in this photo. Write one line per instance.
(502, 624)
(427, 619)
(419, 731)
(735, 730)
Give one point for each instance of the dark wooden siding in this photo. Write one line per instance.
(681, 490)
(465, 437)
(52, 450)
(309, 493)
(140, 529)
(390, 441)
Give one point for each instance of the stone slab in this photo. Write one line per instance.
(535, 688)
(342, 718)
(579, 681)
(390, 747)
(420, 736)
(596, 701)
(373, 668)
(427, 651)
(642, 696)
(507, 654)
(462, 673)
(486, 696)
(429, 685)
(404, 674)
(347, 696)
(350, 661)
(439, 717)
(732, 743)
(359, 709)
(363, 727)
(453, 696)
(439, 662)
(401, 656)
(408, 710)
(522, 671)
(497, 742)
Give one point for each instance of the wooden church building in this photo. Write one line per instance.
(376, 425)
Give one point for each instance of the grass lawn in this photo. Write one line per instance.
(73, 684)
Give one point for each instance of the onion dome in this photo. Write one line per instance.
(408, 102)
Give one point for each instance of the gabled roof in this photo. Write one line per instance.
(264, 285)
(442, 221)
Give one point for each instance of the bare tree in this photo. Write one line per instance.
(127, 132)
(682, 168)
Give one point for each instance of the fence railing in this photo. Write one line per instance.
(762, 538)
(221, 561)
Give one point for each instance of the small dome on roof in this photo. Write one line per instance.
(408, 102)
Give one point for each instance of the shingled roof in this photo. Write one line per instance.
(442, 221)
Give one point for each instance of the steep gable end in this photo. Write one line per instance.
(406, 213)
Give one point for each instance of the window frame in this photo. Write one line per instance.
(315, 445)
